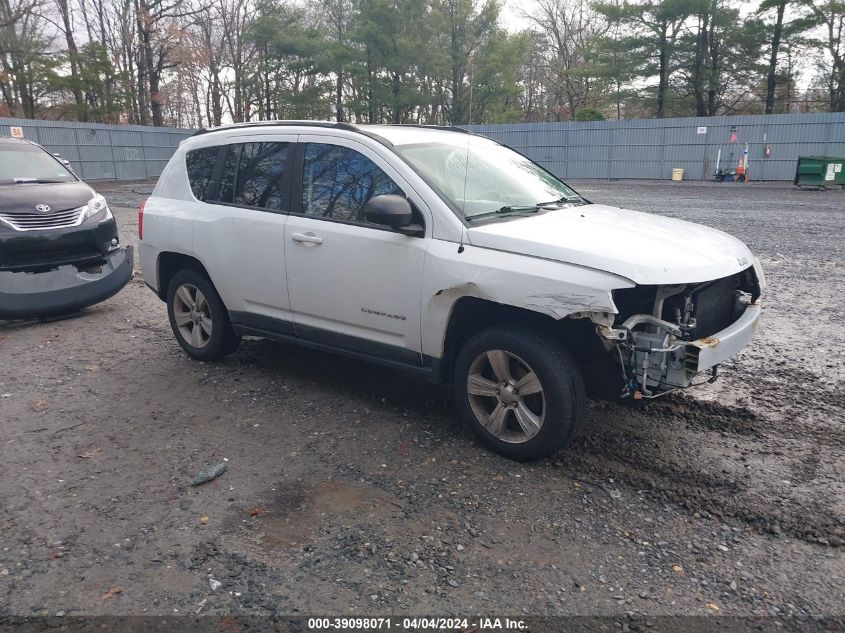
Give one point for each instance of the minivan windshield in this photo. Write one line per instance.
(22, 162)
(483, 179)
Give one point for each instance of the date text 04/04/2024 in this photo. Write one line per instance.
(419, 623)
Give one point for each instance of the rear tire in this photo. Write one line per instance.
(520, 392)
(198, 317)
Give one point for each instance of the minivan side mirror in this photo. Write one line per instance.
(393, 211)
(63, 161)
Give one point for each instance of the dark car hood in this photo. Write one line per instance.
(60, 196)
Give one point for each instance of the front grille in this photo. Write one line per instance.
(32, 221)
(715, 302)
(34, 260)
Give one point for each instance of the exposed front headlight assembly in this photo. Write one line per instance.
(96, 205)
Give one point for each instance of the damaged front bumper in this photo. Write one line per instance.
(690, 330)
(708, 352)
(64, 289)
(656, 359)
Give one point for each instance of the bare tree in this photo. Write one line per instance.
(571, 29)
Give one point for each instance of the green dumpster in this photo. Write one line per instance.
(820, 171)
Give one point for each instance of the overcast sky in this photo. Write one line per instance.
(512, 15)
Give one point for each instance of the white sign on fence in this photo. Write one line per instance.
(15, 131)
(701, 130)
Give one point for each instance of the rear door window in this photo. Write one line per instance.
(260, 175)
(253, 175)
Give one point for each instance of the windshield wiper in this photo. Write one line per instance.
(525, 208)
(561, 200)
(533, 208)
(539, 205)
(503, 211)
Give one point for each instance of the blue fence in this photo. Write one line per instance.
(651, 148)
(102, 152)
(644, 148)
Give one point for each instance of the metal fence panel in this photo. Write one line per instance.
(134, 170)
(647, 148)
(651, 148)
(103, 152)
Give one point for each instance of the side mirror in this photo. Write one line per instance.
(395, 212)
(63, 161)
(389, 210)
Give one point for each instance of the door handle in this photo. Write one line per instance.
(308, 238)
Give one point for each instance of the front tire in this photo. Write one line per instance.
(198, 317)
(521, 393)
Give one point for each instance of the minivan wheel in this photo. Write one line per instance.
(198, 318)
(522, 394)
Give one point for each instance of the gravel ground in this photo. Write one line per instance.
(353, 489)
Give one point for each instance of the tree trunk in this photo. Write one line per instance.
(713, 76)
(24, 90)
(371, 109)
(339, 96)
(395, 91)
(771, 80)
(154, 78)
(837, 101)
(142, 63)
(73, 55)
(701, 48)
(108, 115)
(663, 72)
(216, 98)
(457, 76)
(457, 105)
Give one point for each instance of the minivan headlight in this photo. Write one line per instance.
(96, 205)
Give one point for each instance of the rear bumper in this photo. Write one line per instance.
(65, 289)
(712, 350)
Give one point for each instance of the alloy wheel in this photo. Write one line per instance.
(506, 396)
(193, 315)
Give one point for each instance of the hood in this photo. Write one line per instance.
(643, 247)
(61, 196)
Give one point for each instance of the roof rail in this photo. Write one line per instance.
(248, 124)
(326, 124)
(448, 128)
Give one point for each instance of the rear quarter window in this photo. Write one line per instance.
(200, 166)
(251, 174)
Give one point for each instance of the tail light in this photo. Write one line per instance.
(141, 219)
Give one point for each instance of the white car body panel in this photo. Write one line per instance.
(245, 250)
(359, 281)
(551, 288)
(646, 248)
(341, 284)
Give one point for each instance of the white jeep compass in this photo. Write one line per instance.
(444, 253)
